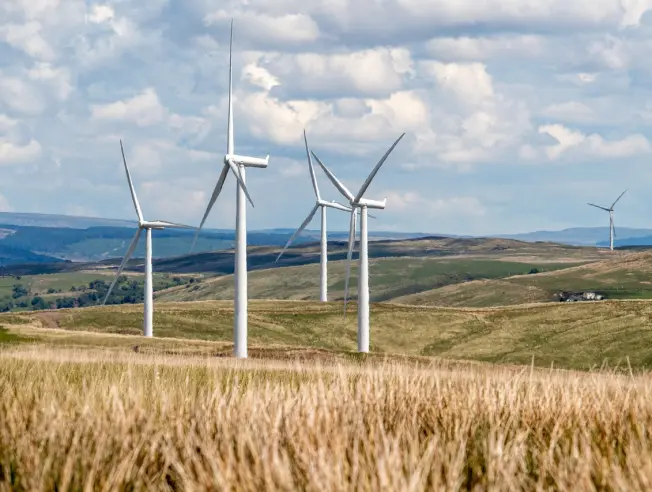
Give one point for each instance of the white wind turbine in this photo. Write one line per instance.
(358, 202)
(319, 204)
(236, 164)
(148, 226)
(612, 227)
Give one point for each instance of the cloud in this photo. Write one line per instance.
(442, 208)
(482, 90)
(259, 27)
(100, 14)
(469, 82)
(594, 145)
(27, 37)
(6, 123)
(57, 78)
(19, 96)
(572, 111)
(12, 153)
(467, 48)
(372, 73)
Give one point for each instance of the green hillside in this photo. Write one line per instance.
(628, 277)
(571, 335)
(389, 278)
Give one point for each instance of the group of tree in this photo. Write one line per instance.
(125, 291)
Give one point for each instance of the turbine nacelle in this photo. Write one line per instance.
(366, 202)
(144, 224)
(246, 161)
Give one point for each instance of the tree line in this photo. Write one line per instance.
(124, 292)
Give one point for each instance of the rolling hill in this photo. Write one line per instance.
(570, 335)
(623, 277)
(397, 268)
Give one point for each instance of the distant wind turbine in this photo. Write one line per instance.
(148, 226)
(358, 202)
(236, 164)
(319, 204)
(612, 227)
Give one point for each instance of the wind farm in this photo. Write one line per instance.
(502, 339)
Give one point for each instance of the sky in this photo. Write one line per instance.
(516, 112)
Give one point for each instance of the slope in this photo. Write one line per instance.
(397, 268)
(623, 277)
(570, 335)
(389, 278)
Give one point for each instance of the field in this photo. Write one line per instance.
(567, 335)
(543, 396)
(389, 277)
(398, 269)
(178, 422)
(626, 277)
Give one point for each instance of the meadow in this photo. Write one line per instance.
(567, 335)
(390, 277)
(625, 277)
(100, 419)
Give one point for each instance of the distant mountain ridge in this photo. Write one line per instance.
(586, 236)
(38, 238)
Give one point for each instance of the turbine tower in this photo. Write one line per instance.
(358, 202)
(319, 204)
(236, 164)
(612, 227)
(148, 226)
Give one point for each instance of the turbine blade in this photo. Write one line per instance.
(229, 125)
(621, 195)
(598, 206)
(337, 206)
(377, 168)
(130, 251)
(298, 231)
(312, 170)
(216, 193)
(134, 198)
(173, 225)
(343, 189)
(349, 254)
(236, 172)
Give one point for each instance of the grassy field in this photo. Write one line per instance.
(389, 278)
(628, 277)
(568, 335)
(100, 419)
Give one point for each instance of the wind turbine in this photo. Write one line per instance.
(319, 204)
(612, 227)
(148, 226)
(358, 202)
(236, 164)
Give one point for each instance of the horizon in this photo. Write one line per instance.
(316, 231)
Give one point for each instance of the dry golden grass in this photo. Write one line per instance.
(96, 420)
(570, 335)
